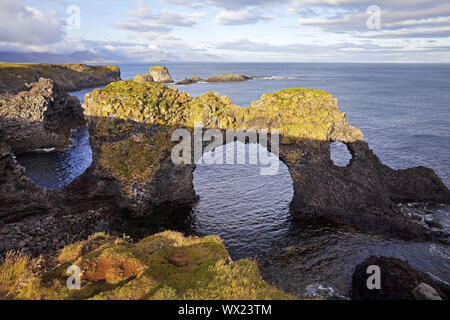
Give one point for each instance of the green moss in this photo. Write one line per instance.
(13, 76)
(137, 158)
(147, 270)
(14, 269)
(298, 114)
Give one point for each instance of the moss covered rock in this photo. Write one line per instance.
(143, 78)
(163, 266)
(125, 118)
(71, 77)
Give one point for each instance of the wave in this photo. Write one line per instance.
(273, 77)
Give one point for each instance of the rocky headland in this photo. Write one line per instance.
(132, 176)
(131, 125)
(70, 77)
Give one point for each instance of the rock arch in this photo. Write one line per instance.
(130, 126)
(130, 120)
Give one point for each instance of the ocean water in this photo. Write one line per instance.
(404, 112)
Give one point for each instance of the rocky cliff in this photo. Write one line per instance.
(160, 74)
(40, 117)
(71, 77)
(132, 173)
(399, 281)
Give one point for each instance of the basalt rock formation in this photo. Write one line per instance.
(165, 266)
(40, 117)
(160, 74)
(131, 124)
(71, 77)
(399, 281)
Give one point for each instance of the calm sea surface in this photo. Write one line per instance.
(404, 112)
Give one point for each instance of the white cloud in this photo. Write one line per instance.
(21, 24)
(239, 17)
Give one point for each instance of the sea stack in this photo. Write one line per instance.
(160, 74)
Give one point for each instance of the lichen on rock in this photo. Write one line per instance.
(363, 194)
(162, 266)
(229, 77)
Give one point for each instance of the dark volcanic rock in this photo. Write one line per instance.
(40, 117)
(398, 281)
(364, 194)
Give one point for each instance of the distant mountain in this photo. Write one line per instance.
(45, 57)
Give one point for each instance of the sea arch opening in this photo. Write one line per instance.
(246, 209)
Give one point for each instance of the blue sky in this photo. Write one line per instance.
(232, 30)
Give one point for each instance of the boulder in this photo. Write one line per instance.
(399, 281)
(143, 78)
(160, 74)
(229, 77)
(425, 292)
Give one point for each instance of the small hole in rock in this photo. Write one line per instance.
(340, 154)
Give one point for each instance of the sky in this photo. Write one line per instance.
(231, 30)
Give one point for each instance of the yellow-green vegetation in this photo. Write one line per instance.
(13, 76)
(143, 78)
(150, 103)
(14, 271)
(297, 113)
(137, 158)
(163, 266)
